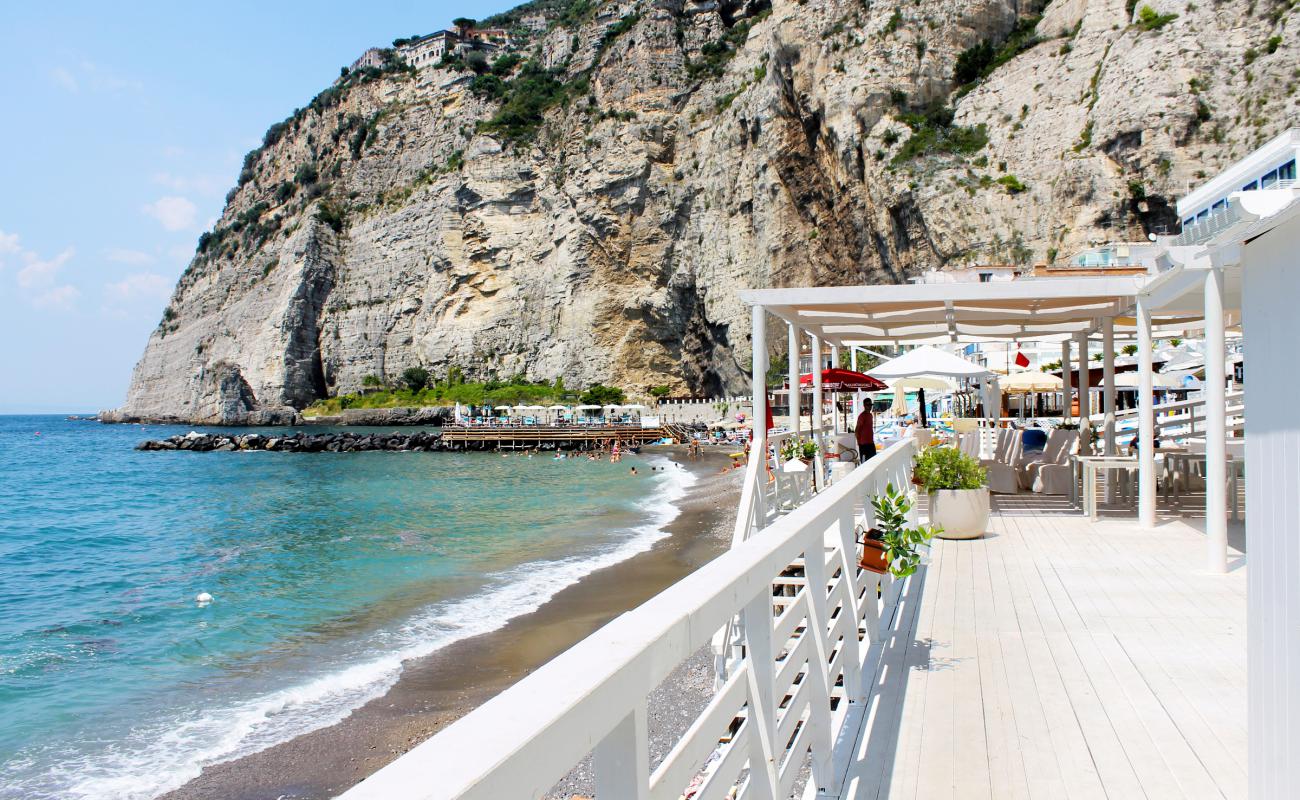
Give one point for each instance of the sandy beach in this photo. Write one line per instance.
(438, 689)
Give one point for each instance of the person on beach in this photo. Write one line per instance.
(864, 430)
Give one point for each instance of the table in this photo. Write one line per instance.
(1089, 466)
(1179, 464)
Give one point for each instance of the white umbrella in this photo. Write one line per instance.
(1131, 380)
(586, 408)
(929, 361)
(1030, 381)
(530, 408)
(502, 409)
(558, 408)
(923, 382)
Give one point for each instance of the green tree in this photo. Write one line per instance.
(660, 391)
(1130, 349)
(599, 394)
(415, 378)
(464, 24)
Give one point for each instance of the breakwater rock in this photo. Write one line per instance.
(346, 442)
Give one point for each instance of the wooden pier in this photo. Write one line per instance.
(548, 437)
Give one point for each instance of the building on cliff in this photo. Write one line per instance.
(374, 58)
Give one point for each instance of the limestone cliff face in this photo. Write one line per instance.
(702, 148)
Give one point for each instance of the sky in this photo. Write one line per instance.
(122, 127)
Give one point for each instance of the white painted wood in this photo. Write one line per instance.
(1146, 420)
(1059, 658)
(818, 463)
(1085, 377)
(622, 759)
(1271, 295)
(759, 365)
(1216, 446)
(1067, 382)
(796, 399)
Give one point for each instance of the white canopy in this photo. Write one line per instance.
(586, 408)
(502, 410)
(1159, 380)
(1030, 381)
(931, 362)
(922, 382)
(530, 408)
(558, 408)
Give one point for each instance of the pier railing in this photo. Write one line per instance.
(811, 626)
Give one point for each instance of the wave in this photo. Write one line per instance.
(168, 753)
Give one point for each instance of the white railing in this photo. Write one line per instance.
(809, 659)
(1178, 420)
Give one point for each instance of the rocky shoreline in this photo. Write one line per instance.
(288, 417)
(346, 442)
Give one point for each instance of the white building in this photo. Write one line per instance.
(1271, 167)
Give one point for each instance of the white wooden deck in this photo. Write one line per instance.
(1057, 658)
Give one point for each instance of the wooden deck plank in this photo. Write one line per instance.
(1062, 658)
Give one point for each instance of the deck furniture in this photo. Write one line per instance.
(1001, 473)
(1056, 451)
(1088, 466)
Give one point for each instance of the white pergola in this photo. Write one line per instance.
(1070, 310)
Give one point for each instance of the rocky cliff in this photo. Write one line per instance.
(591, 209)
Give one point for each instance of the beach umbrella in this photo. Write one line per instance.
(899, 407)
(1027, 382)
(843, 380)
(928, 361)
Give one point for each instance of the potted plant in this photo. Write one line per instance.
(891, 545)
(807, 451)
(959, 493)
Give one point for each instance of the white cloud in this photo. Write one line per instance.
(60, 298)
(174, 213)
(139, 286)
(122, 255)
(64, 79)
(203, 184)
(38, 280)
(41, 273)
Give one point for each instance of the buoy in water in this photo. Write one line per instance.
(203, 598)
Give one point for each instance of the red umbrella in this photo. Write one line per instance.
(844, 380)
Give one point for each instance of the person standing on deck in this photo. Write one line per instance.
(864, 430)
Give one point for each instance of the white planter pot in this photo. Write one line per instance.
(963, 513)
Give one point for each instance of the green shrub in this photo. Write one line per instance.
(332, 214)
(415, 378)
(934, 134)
(599, 395)
(660, 391)
(895, 20)
(306, 174)
(1012, 184)
(948, 468)
(1149, 20)
(533, 91)
(1274, 42)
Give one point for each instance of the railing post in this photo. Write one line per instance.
(622, 759)
(819, 714)
(853, 610)
(759, 652)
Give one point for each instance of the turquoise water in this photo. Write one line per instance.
(326, 571)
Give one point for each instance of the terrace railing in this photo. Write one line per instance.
(811, 626)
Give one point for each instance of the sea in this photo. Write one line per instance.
(326, 571)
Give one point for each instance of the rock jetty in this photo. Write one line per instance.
(346, 442)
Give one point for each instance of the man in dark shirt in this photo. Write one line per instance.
(865, 432)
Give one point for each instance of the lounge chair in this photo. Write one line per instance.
(1001, 473)
(1057, 476)
(1058, 446)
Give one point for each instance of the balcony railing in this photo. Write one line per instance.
(797, 689)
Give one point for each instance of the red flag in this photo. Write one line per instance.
(1022, 360)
